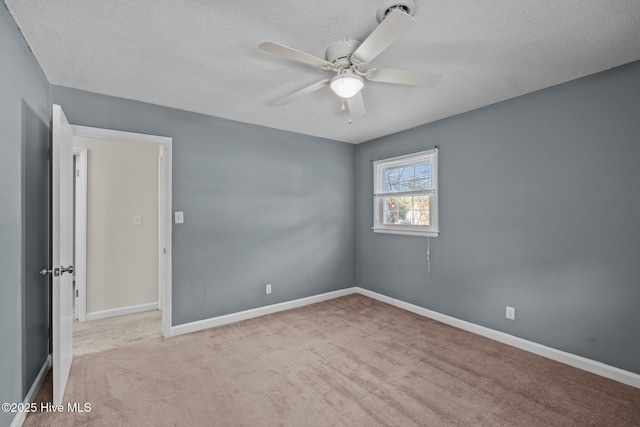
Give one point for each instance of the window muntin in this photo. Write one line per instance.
(405, 194)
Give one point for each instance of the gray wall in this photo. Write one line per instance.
(538, 210)
(23, 87)
(260, 205)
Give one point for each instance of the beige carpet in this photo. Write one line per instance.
(351, 361)
(113, 332)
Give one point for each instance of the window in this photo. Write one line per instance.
(405, 194)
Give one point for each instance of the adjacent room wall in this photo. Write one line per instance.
(538, 210)
(260, 205)
(122, 258)
(24, 90)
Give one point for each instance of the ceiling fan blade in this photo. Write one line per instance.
(403, 77)
(302, 92)
(381, 38)
(296, 55)
(356, 105)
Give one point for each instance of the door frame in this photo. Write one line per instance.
(80, 225)
(164, 208)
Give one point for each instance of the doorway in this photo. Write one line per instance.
(61, 236)
(122, 238)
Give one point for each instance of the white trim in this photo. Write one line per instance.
(118, 135)
(405, 232)
(257, 312)
(161, 221)
(122, 311)
(426, 192)
(598, 368)
(19, 418)
(80, 262)
(167, 257)
(165, 204)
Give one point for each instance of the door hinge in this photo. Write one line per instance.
(77, 293)
(78, 173)
(164, 250)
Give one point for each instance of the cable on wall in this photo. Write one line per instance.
(437, 147)
(429, 254)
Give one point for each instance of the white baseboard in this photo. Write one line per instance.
(579, 362)
(18, 420)
(122, 311)
(256, 312)
(598, 368)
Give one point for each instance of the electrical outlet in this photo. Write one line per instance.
(268, 289)
(511, 313)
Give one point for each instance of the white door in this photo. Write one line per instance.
(62, 251)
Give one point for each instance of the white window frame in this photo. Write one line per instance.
(379, 166)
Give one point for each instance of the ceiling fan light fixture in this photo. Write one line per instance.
(347, 84)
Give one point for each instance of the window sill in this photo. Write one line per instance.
(406, 232)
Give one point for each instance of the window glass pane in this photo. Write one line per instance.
(412, 210)
(407, 178)
(423, 184)
(423, 175)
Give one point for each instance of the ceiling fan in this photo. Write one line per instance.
(347, 58)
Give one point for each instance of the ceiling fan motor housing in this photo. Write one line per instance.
(407, 6)
(339, 52)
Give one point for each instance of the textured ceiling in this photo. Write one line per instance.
(203, 56)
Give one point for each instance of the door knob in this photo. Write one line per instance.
(66, 269)
(55, 271)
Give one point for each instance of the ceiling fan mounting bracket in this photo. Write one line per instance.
(339, 53)
(407, 6)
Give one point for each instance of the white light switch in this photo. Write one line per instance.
(137, 220)
(179, 217)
